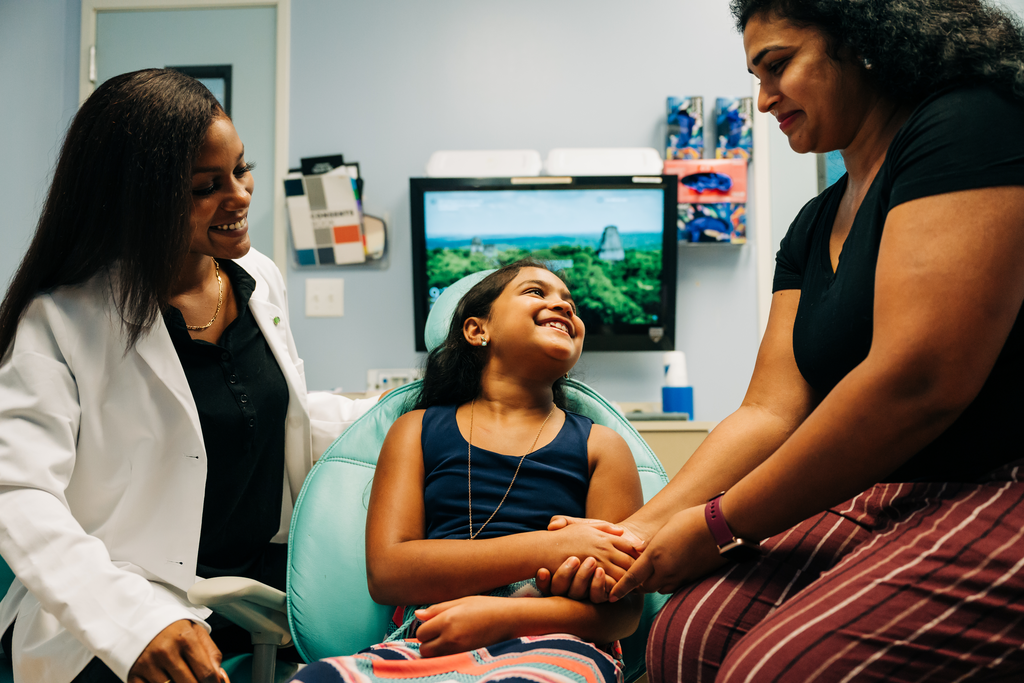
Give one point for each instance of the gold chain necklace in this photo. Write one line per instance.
(220, 300)
(469, 469)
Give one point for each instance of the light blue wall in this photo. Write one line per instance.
(388, 83)
(128, 41)
(1015, 5)
(794, 180)
(38, 96)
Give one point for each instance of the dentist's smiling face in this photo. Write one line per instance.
(820, 102)
(221, 191)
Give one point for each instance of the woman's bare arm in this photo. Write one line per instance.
(777, 401)
(944, 307)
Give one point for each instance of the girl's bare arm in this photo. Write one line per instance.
(478, 621)
(404, 568)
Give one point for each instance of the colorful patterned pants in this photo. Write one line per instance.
(905, 582)
(542, 659)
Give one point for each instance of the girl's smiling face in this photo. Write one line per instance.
(535, 312)
(221, 191)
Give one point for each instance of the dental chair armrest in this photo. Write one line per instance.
(254, 606)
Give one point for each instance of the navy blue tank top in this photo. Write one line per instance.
(553, 480)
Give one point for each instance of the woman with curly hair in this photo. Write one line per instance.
(877, 448)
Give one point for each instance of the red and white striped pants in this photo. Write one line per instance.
(905, 582)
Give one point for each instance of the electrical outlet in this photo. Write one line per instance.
(378, 381)
(325, 297)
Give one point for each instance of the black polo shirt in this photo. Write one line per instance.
(242, 399)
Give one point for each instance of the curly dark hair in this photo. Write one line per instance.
(121, 198)
(454, 368)
(915, 47)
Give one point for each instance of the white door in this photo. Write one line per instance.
(243, 37)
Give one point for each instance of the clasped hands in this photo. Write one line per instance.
(663, 560)
(586, 574)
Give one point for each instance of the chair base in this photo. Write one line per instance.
(240, 670)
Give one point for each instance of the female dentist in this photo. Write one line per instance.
(154, 420)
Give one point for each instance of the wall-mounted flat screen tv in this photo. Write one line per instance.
(613, 238)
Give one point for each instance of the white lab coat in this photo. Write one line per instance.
(103, 472)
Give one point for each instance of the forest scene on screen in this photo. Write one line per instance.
(605, 242)
(623, 288)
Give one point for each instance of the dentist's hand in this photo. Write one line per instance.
(181, 653)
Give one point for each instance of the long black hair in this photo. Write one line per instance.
(120, 199)
(915, 47)
(455, 367)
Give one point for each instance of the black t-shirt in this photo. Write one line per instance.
(957, 139)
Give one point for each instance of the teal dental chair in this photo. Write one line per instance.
(6, 577)
(327, 610)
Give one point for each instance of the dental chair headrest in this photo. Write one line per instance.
(440, 317)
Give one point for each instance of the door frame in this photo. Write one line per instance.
(86, 83)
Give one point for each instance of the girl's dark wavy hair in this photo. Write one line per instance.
(121, 198)
(915, 47)
(454, 368)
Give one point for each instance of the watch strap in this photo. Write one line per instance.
(728, 544)
(716, 521)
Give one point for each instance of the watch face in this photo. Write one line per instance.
(740, 551)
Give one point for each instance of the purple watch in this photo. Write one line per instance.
(730, 547)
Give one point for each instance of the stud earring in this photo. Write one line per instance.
(483, 343)
(868, 64)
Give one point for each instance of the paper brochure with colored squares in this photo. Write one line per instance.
(326, 218)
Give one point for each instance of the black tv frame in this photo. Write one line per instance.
(637, 337)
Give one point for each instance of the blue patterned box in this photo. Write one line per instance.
(712, 223)
(734, 120)
(685, 128)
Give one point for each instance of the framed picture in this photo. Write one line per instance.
(216, 77)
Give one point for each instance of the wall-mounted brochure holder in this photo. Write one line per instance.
(712, 199)
(328, 226)
(734, 121)
(709, 181)
(685, 135)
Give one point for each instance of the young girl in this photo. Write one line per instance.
(464, 489)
